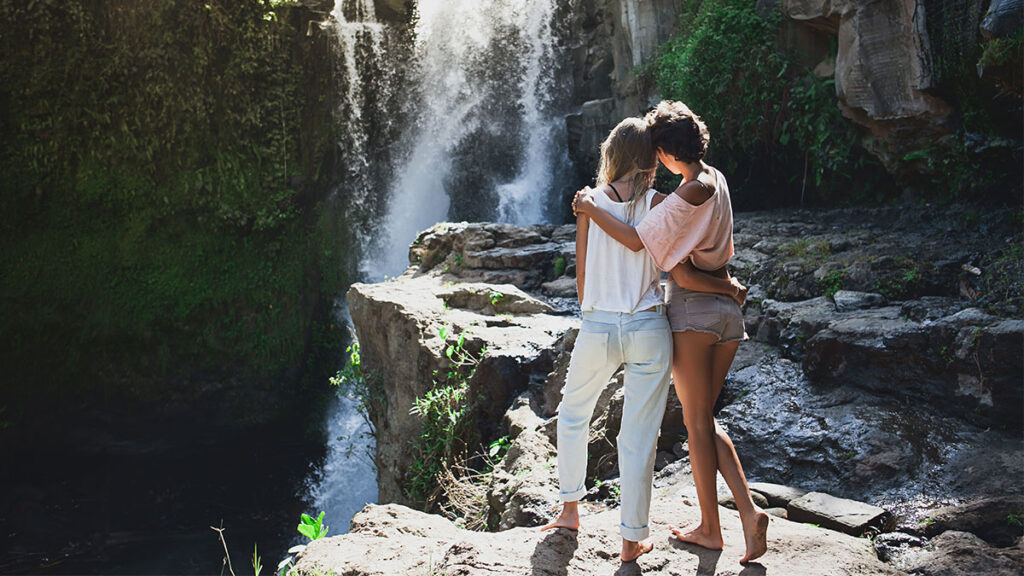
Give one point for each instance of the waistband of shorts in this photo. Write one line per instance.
(606, 317)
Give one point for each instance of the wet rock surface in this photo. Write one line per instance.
(859, 393)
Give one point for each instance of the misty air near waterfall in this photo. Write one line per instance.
(516, 287)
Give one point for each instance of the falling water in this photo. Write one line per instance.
(366, 78)
(346, 480)
(486, 142)
(464, 123)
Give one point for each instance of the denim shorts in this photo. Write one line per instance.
(715, 314)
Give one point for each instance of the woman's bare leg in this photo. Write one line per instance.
(755, 522)
(693, 378)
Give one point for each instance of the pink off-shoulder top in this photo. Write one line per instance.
(675, 230)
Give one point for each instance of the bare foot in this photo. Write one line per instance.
(569, 518)
(756, 534)
(700, 536)
(632, 550)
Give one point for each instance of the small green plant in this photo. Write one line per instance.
(947, 356)
(495, 297)
(357, 383)
(497, 450)
(257, 566)
(310, 528)
(615, 491)
(1015, 519)
(560, 266)
(832, 282)
(458, 259)
(446, 429)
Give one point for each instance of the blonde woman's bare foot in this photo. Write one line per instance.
(569, 518)
(700, 536)
(632, 550)
(755, 532)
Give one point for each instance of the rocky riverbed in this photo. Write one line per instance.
(880, 396)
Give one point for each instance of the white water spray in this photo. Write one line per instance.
(484, 70)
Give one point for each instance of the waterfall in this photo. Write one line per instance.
(346, 480)
(486, 135)
(463, 122)
(366, 79)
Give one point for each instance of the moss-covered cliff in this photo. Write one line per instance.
(165, 225)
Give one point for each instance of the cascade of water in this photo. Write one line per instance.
(346, 480)
(485, 141)
(365, 88)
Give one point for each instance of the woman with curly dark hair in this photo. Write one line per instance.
(692, 229)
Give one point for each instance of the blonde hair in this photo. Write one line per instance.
(627, 154)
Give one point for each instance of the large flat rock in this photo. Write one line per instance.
(849, 516)
(393, 540)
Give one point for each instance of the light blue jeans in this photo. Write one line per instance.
(643, 342)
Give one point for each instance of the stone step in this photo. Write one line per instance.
(849, 516)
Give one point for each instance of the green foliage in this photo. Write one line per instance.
(560, 266)
(152, 208)
(310, 528)
(497, 450)
(495, 297)
(766, 115)
(904, 282)
(1002, 286)
(833, 282)
(1015, 519)
(446, 427)
(815, 252)
(257, 566)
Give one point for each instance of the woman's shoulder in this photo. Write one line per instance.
(694, 192)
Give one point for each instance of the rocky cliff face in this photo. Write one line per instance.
(866, 392)
(612, 40)
(885, 58)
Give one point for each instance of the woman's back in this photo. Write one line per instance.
(618, 279)
(703, 232)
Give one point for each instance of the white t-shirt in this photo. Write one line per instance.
(618, 279)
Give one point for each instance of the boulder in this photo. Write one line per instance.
(882, 44)
(848, 516)
(729, 501)
(777, 495)
(999, 520)
(955, 553)
(849, 300)
(403, 318)
(896, 547)
(524, 487)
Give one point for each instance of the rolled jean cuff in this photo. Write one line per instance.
(634, 534)
(573, 496)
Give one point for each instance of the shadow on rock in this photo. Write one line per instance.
(553, 553)
(754, 569)
(707, 560)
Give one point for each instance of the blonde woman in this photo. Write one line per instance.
(623, 323)
(693, 228)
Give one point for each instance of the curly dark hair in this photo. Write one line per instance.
(678, 131)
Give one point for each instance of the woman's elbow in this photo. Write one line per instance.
(635, 244)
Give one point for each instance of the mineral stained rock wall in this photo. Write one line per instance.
(885, 66)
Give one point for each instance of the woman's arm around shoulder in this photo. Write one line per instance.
(688, 276)
(623, 233)
(582, 228)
